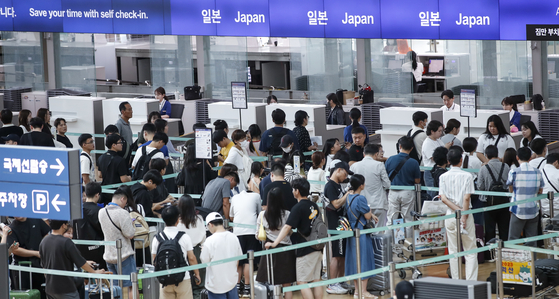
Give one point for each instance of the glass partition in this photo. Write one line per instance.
(21, 64)
(171, 63)
(226, 60)
(75, 62)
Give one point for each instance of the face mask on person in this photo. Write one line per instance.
(244, 144)
(287, 150)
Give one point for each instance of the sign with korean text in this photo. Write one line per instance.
(406, 19)
(516, 14)
(298, 18)
(468, 103)
(516, 266)
(542, 32)
(40, 182)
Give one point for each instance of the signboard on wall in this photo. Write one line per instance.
(389, 19)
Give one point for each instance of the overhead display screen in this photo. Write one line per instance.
(388, 19)
(473, 19)
(352, 19)
(410, 19)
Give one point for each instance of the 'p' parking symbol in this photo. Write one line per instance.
(40, 202)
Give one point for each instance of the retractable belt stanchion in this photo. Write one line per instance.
(134, 279)
(119, 260)
(278, 292)
(392, 269)
(533, 272)
(550, 197)
(251, 272)
(459, 241)
(499, 265)
(358, 255)
(322, 211)
(548, 243)
(418, 198)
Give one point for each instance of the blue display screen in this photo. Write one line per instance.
(407, 19)
(7, 15)
(243, 18)
(516, 14)
(352, 19)
(473, 19)
(88, 16)
(194, 17)
(38, 15)
(298, 18)
(138, 16)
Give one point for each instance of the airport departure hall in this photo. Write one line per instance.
(262, 149)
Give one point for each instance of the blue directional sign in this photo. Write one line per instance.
(40, 182)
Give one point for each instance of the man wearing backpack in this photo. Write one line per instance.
(146, 153)
(173, 249)
(418, 134)
(221, 279)
(492, 177)
(86, 163)
(302, 217)
(141, 192)
(113, 169)
(271, 138)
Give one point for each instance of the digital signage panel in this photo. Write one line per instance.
(410, 19)
(352, 19)
(298, 18)
(243, 18)
(472, 19)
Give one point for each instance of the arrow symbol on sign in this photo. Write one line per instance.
(56, 202)
(60, 167)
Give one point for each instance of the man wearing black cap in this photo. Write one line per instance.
(271, 138)
(12, 139)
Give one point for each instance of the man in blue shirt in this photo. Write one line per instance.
(271, 138)
(402, 171)
(524, 182)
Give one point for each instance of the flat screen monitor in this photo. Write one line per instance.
(436, 66)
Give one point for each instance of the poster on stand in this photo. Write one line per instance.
(430, 239)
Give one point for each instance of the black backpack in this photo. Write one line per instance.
(142, 166)
(169, 256)
(275, 148)
(497, 186)
(413, 154)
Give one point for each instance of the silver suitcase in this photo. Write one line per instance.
(265, 290)
(382, 245)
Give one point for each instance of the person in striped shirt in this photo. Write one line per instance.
(455, 188)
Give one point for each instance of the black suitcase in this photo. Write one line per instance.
(192, 92)
(204, 294)
(551, 269)
(519, 290)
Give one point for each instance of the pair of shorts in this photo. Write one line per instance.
(128, 267)
(248, 242)
(309, 267)
(338, 248)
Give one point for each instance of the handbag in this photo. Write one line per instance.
(367, 225)
(261, 230)
(434, 207)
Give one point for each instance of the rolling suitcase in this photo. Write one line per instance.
(204, 294)
(518, 290)
(102, 291)
(551, 268)
(27, 294)
(265, 290)
(382, 244)
(148, 287)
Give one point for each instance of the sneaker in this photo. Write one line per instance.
(240, 288)
(335, 289)
(324, 276)
(346, 286)
(246, 292)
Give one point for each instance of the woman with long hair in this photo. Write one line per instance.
(273, 219)
(61, 129)
(316, 173)
(331, 147)
(509, 158)
(414, 66)
(510, 105)
(355, 116)
(337, 114)
(358, 214)
(303, 137)
(529, 133)
(254, 142)
(450, 131)
(256, 171)
(495, 134)
(193, 225)
(44, 114)
(192, 173)
(24, 117)
(271, 99)
(164, 104)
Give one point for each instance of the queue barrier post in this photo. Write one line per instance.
(549, 243)
(550, 197)
(358, 256)
(278, 292)
(499, 272)
(392, 269)
(533, 273)
(135, 290)
(251, 272)
(418, 198)
(119, 260)
(459, 241)
(322, 209)
(226, 224)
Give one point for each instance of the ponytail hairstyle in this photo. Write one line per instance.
(355, 115)
(451, 124)
(220, 124)
(509, 101)
(411, 56)
(332, 97)
(356, 181)
(255, 133)
(161, 91)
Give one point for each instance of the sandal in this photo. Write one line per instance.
(366, 295)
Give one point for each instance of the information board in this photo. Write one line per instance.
(468, 103)
(203, 143)
(239, 95)
(40, 182)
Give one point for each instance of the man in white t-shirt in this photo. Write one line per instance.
(221, 280)
(551, 179)
(539, 148)
(418, 134)
(448, 100)
(245, 208)
(170, 216)
(87, 169)
(158, 141)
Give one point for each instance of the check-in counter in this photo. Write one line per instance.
(82, 114)
(254, 114)
(397, 121)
